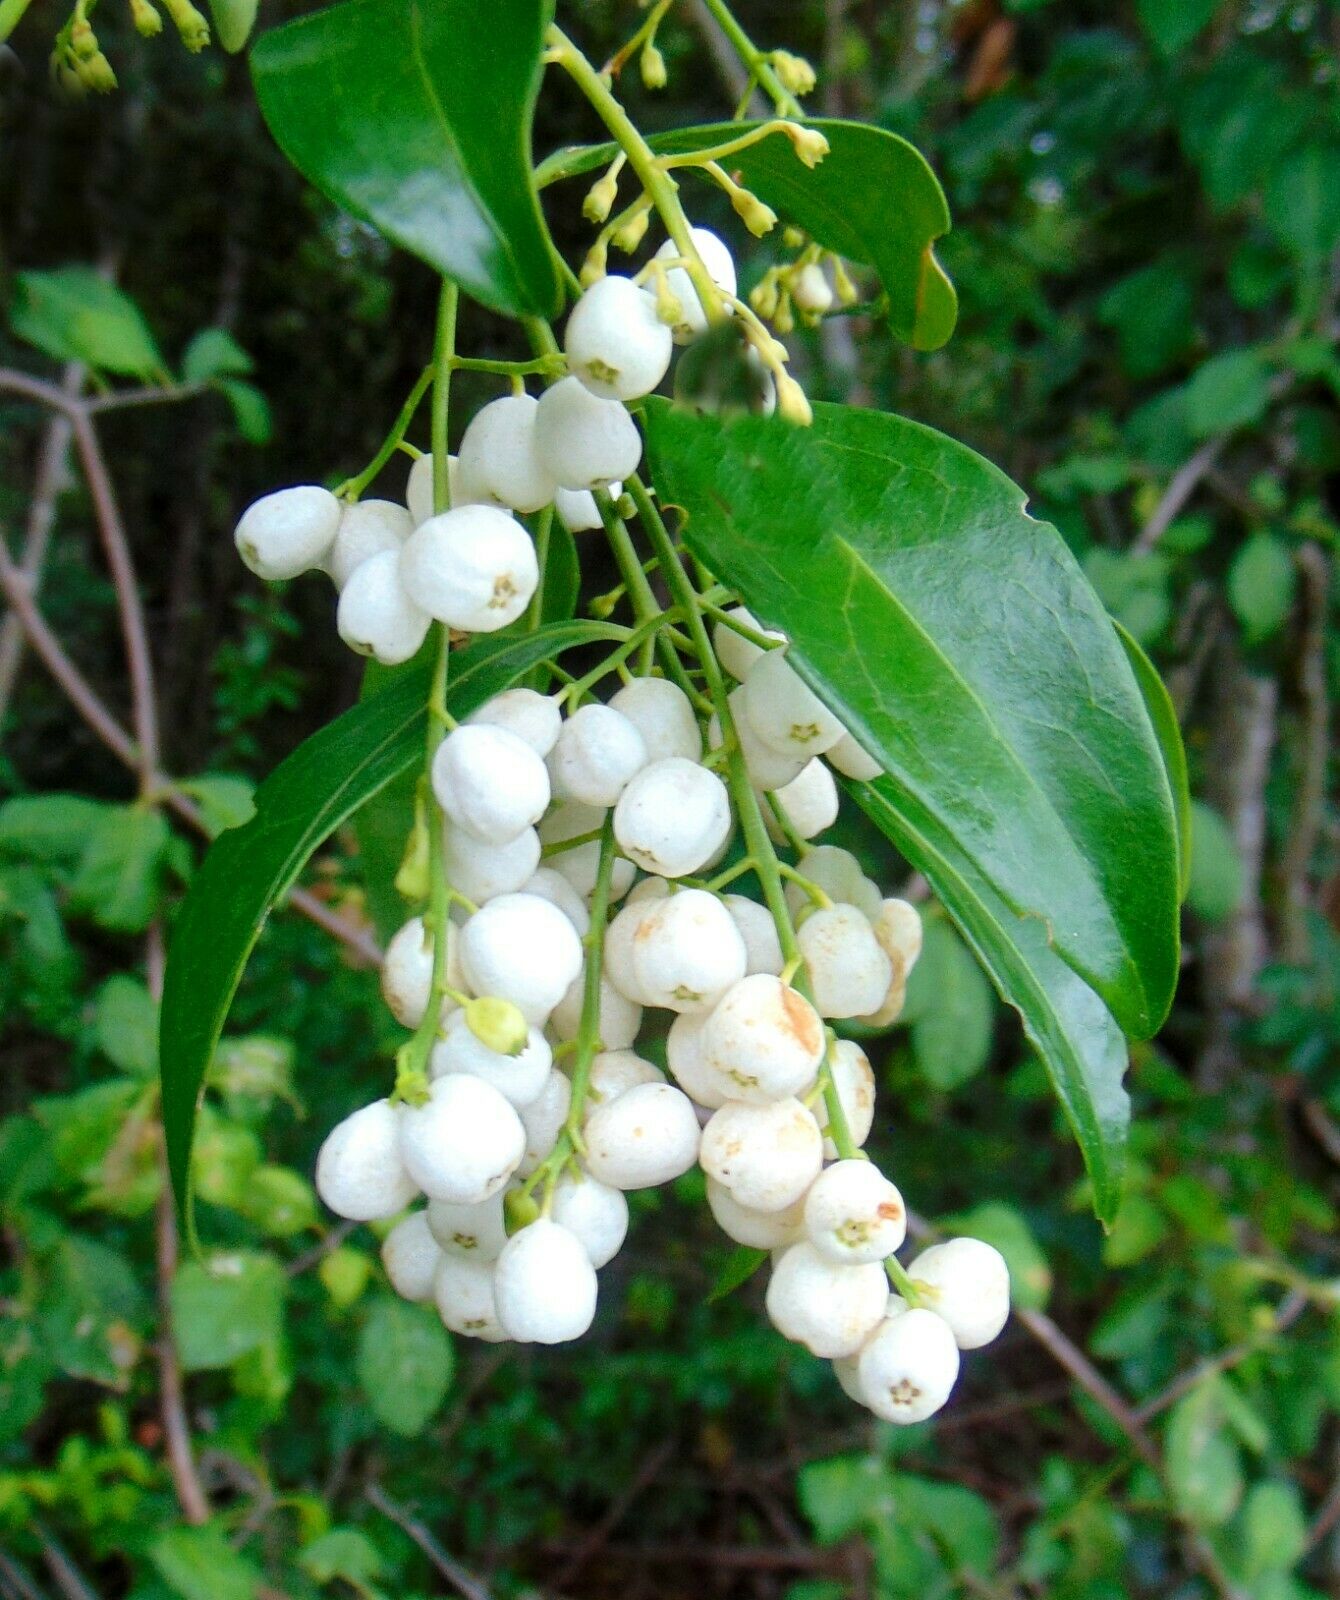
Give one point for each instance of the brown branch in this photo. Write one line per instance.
(123, 399)
(1310, 805)
(460, 1578)
(599, 1536)
(1183, 484)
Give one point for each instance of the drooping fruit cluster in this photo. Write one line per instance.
(584, 854)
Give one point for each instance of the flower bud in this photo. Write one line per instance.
(791, 401)
(794, 73)
(498, 1025)
(600, 198)
(808, 143)
(756, 216)
(652, 63)
(631, 234)
(147, 21)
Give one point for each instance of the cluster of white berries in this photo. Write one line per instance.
(400, 568)
(500, 1137)
(528, 1112)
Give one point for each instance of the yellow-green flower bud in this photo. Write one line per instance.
(791, 401)
(146, 19)
(631, 234)
(412, 878)
(756, 216)
(652, 63)
(519, 1210)
(808, 143)
(189, 23)
(846, 289)
(794, 73)
(593, 268)
(97, 74)
(600, 198)
(497, 1024)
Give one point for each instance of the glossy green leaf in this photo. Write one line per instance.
(73, 314)
(1231, 390)
(1261, 584)
(956, 637)
(250, 408)
(202, 1564)
(737, 1269)
(416, 117)
(248, 869)
(1203, 1462)
(233, 22)
(118, 882)
(214, 353)
(872, 199)
(1168, 732)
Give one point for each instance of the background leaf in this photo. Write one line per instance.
(308, 796)
(405, 1364)
(873, 199)
(74, 315)
(415, 115)
(1261, 583)
(233, 22)
(949, 1008)
(226, 1306)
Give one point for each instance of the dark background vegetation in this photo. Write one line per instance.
(1147, 207)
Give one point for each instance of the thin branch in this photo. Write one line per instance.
(122, 399)
(463, 1581)
(1184, 483)
(1310, 805)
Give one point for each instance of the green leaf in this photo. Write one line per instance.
(1152, 313)
(1171, 25)
(226, 1306)
(737, 1269)
(416, 116)
(1215, 885)
(405, 1364)
(841, 1494)
(248, 869)
(233, 22)
(251, 410)
(1134, 588)
(1228, 391)
(961, 1523)
(201, 1564)
(214, 353)
(74, 315)
(1204, 1466)
(91, 1311)
(125, 1022)
(1275, 1528)
(118, 881)
(872, 199)
(1168, 732)
(1261, 583)
(956, 637)
(342, 1553)
(225, 801)
(953, 1011)
(1302, 201)
(49, 828)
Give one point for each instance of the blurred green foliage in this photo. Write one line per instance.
(1147, 216)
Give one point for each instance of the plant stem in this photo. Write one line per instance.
(642, 158)
(353, 488)
(588, 1033)
(11, 14)
(754, 59)
(443, 354)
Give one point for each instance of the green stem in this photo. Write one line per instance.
(443, 359)
(642, 158)
(352, 488)
(757, 843)
(899, 1278)
(542, 366)
(754, 60)
(543, 530)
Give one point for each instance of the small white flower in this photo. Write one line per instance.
(473, 568)
(464, 1142)
(785, 712)
(528, 714)
(830, 1309)
(463, 1290)
(614, 341)
(519, 1078)
(852, 761)
(849, 972)
(854, 1081)
(687, 952)
(482, 872)
(367, 528)
(663, 714)
(615, 1072)
(555, 888)
(853, 1214)
(584, 442)
(673, 817)
(477, 1231)
(689, 1065)
(761, 1230)
(811, 291)
(499, 463)
(765, 1039)
(579, 510)
(376, 616)
(966, 1282)
(410, 1255)
(647, 1135)
(543, 1121)
(621, 934)
(762, 946)
(359, 1170)
(407, 973)
(908, 1366)
(838, 873)
(489, 782)
(736, 653)
(419, 488)
(767, 769)
(288, 532)
(617, 1018)
(580, 864)
(523, 948)
(597, 753)
(594, 1212)
(767, 1156)
(720, 264)
(545, 1285)
(809, 802)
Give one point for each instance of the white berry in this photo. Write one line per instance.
(464, 1142)
(359, 1171)
(596, 1213)
(499, 463)
(830, 1309)
(463, 1290)
(767, 1156)
(584, 442)
(761, 1230)
(765, 1039)
(853, 1213)
(849, 972)
(687, 952)
(785, 712)
(473, 568)
(523, 948)
(518, 1079)
(598, 751)
(614, 341)
(376, 615)
(478, 1231)
(663, 714)
(366, 529)
(410, 1255)
(288, 532)
(908, 1366)
(720, 264)
(966, 1282)
(648, 1135)
(489, 782)
(673, 817)
(545, 1285)
(531, 716)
